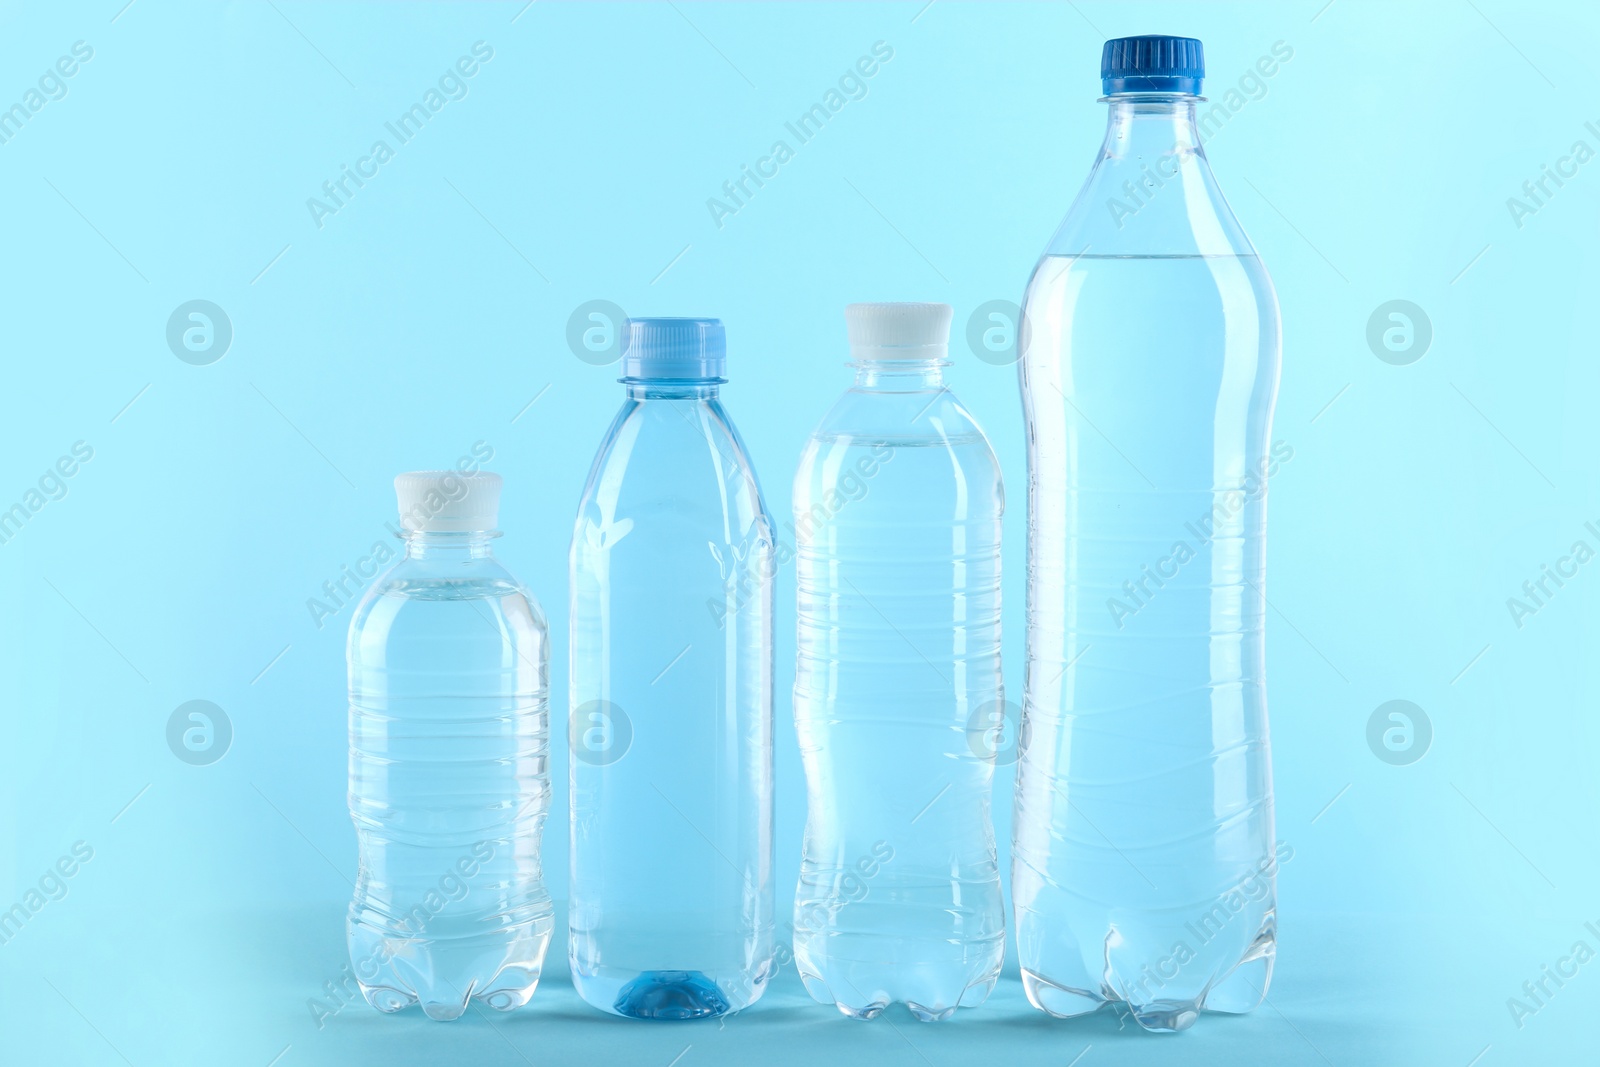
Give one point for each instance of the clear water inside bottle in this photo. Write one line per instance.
(449, 784)
(671, 716)
(1144, 854)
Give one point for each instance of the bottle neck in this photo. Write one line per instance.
(438, 547)
(1148, 126)
(900, 375)
(672, 389)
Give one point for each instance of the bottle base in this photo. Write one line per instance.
(929, 1015)
(938, 1010)
(674, 995)
(1243, 990)
(388, 999)
(444, 975)
(1240, 991)
(1065, 1002)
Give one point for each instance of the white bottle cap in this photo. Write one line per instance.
(898, 331)
(448, 501)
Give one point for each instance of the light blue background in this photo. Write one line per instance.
(431, 310)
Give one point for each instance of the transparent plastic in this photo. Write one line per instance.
(449, 781)
(1143, 864)
(897, 507)
(671, 714)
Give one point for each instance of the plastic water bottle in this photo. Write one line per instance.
(1144, 866)
(449, 776)
(671, 696)
(897, 508)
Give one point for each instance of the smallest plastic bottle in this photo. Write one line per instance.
(449, 769)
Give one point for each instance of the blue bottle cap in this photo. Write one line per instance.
(674, 349)
(1153, 63)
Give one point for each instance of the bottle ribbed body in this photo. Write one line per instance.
(897, 530)
(449, 785)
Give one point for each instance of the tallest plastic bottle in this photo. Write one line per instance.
(1143, 863)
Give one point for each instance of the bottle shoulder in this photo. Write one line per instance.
(1137, 201)
(695, 436)
(420, 589)
(932, 417)
(924, 448)
(672, 463)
